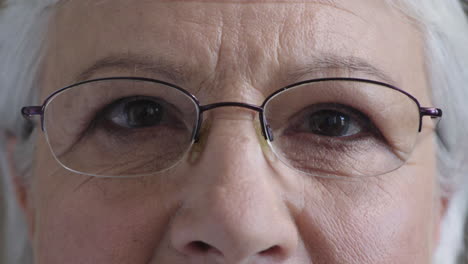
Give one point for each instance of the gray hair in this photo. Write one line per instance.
(22, 30)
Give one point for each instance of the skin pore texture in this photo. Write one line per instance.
(231, 200)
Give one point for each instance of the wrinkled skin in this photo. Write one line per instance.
(233, 202)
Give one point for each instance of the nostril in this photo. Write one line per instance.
(200, 247)
(274, 252)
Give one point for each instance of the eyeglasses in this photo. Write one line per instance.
(329, 127)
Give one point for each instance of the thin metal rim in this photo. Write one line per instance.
(58, 92)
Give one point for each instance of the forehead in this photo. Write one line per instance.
(224, 43)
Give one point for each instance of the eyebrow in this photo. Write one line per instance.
(160, 67)
(346, 64)
(182, 73)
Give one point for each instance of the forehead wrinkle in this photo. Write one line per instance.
(181, 72)
(170, 70)
(330, 3)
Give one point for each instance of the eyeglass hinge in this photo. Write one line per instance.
(430, 111)
(30, 111)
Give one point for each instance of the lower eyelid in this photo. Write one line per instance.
(322, 139)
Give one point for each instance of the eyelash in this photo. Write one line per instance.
(367, 126)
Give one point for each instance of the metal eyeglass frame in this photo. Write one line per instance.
(30, 111)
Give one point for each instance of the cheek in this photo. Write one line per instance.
(387, 219)
(93, 226)
(78, 219)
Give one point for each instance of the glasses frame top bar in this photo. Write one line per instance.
(29, 111)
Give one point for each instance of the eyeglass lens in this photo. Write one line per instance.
(343, 128)
(120, 127)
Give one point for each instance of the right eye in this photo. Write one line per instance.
(140, 112)
(332, 123)
(332, 120)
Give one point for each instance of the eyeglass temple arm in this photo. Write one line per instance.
(29, 111)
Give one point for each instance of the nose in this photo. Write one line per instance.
(234, 211)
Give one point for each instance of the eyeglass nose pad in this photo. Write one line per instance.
(196, 131)
(269, 132)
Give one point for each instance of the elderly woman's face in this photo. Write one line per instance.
(230, 200)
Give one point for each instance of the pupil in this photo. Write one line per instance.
(329, 123)
(143, 113)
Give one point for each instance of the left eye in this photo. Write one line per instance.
(139, 112)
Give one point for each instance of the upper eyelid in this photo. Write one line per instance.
(196, 100)
(131, 98)
(361, 118)
(108, 107)
(334, 106)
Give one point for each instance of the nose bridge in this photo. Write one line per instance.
(234, 208)
(233, 143)
(205, 108)
(231, 104)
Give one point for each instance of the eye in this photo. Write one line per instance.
(140, 112)
(329, 123)
(333, 121)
